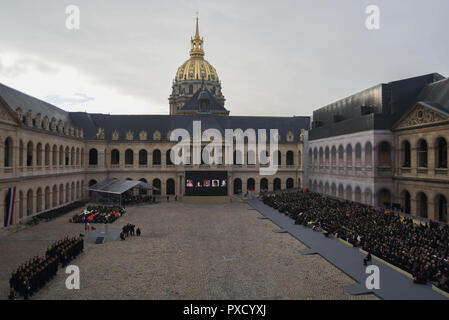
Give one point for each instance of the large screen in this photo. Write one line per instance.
(206, 183)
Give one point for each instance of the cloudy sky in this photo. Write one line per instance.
(273, 57)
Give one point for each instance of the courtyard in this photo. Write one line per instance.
(186, 251)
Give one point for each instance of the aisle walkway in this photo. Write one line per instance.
(393, 284)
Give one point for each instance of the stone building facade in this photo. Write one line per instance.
(421, 174)
(351, 148)
(50, 156)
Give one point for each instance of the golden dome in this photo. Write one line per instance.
(196, 68)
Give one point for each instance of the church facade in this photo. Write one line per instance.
(49, 157)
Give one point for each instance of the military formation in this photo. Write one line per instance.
(36, 272)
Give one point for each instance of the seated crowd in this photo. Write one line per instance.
(420, 249)
(99, 214)
(36, 272)
(130, 199)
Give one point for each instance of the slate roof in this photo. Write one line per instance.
(16, 99)
(165, 123)
(437, 95)
(201, 93)
(388, 101)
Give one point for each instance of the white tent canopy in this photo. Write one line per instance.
(117, 186)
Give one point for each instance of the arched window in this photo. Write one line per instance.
(368, 196)
(143, 157)
(264, 184)
(349, 155)
(321, 156)
(39, 154)
(170, 187)
(55, 196)
(422, 153)
(326, 188)
(168, 158)
(47, 198)
(310, 157)
(157, 184)
(384, 154)
(129, 157)
(276, 184)
(54, 152)
(441, 207)
(72, 156)
(67, 156)
(384, 198)
(47, 155)
(358, 194)
(358, 154)
(406, 201)
(348, 192)
(30, 154)
(290, 183)
(290, 158)
(8, 152)
(333, 156)
(93, 157)
(21, 151)
(237, 186)
(67, 192)
(157, 157)
(190, 89)
(341, 191)
(406, 154)
(441, 156)
(61, 194)
(251, 184)
(61, 156)
(115, 157)
(30, 200)
(341, 155)
(421, 204)
(39, 200)
(326, 156)
(333, 190)
(368, 154)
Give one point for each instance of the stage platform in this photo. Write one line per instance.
(111, 234)
(206, 199)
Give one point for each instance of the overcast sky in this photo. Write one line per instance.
(273, 57)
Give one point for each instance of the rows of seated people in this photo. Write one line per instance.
(32, 275)
(130, 199)
(420, 249)
(99, 214)
(49, 215)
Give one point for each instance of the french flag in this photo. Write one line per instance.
(11, 197)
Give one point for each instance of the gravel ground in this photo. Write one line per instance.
(186, 251)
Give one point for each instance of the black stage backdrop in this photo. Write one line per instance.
(206, 183)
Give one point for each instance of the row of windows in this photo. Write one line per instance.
(157, 157)
(440, 204)
(31, 202)
(42, 155)
(422, 153)
(348, 193)
(264, 184)
(328, 156)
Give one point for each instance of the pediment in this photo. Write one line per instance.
(421, 115)
(6, 114)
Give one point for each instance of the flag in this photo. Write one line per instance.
(10, 199)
